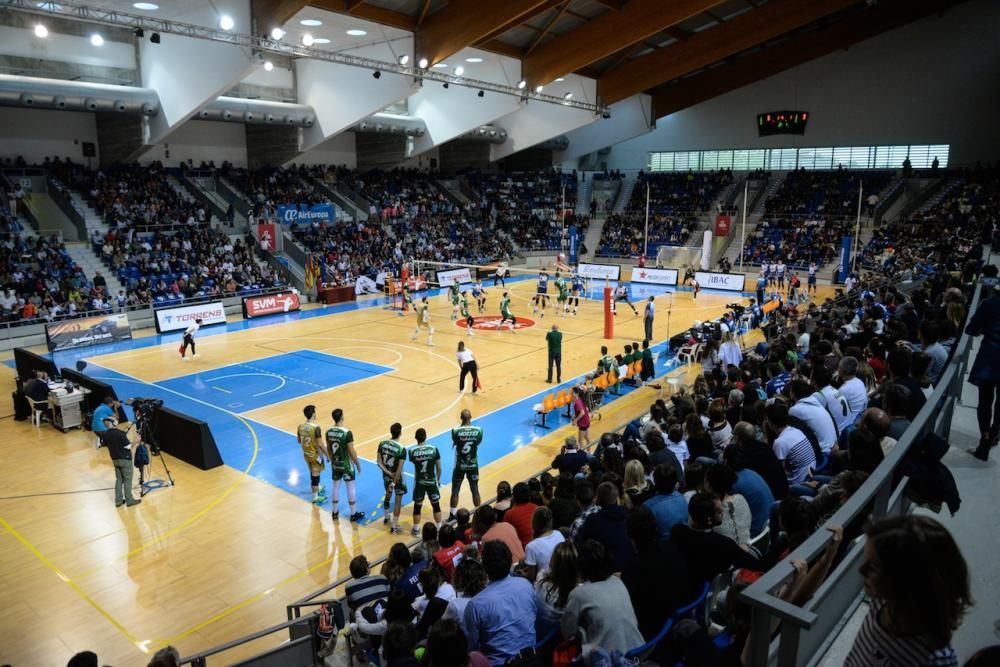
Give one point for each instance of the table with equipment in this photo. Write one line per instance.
(66, 404)
(332, 294)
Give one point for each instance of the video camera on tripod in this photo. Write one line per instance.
(146, 410)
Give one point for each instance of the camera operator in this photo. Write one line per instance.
(105, 417)
(120, 449)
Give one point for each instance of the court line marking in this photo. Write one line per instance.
(239, 375)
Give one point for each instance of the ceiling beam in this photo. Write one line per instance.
(606, 35)
(713, 44)
(503, 48)
(548, 26)
(423, 13)
(792, 52)
(613, 4)
(462, 23)
(360, 10)
(540, 9)
(351, 5)
(269, 14)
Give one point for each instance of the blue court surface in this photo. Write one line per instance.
(269, 380)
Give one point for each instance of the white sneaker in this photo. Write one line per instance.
(470, 332)
(194, 356)
(185, 359)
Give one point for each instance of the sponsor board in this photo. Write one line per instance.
(599, 271)
(179, 318)
(289, 213)
(492, 323)
(723, 223)
(730, 282)
(270, 304)
(448, 278)
(85, 331)
(655, 276)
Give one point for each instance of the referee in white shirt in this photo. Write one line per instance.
(189, 339)
(468, 364)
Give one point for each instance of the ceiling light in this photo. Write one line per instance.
(521, 84)
(321, 40)
(560, 80)
(377, 74)
(422, 64)
(481, 93)
(268, 66)
(312, 23)
(539, 88)
(226, 22)
(146, 6)
(96, 40)
(403, 59)
(307, 39)
(277, 33)
(459, 71)
(155, 38)
(41, 31)
(446, 84)
(473, 60)
(440, 65)
(568, 96)
(357, 32)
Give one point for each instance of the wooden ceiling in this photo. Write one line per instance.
(679, 51)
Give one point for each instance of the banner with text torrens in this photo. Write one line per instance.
(179, 318)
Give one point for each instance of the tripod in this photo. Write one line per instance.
(147, 439)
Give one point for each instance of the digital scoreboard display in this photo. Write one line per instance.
(782, 122)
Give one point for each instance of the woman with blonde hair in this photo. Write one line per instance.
(637, 488)
(729, 352)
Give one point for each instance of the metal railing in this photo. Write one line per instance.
(806, 632)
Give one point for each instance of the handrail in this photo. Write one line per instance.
(874, 495)
(199, 658)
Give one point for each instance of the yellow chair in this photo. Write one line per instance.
(601, 382)
(548, 405)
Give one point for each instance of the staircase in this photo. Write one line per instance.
(91, 218)
(583, 194)
(625, 193)
(592, 239)
(353, 210)
(452, 190)
(90, 263)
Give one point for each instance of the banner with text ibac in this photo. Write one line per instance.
(730, 282)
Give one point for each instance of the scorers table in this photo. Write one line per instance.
(66, 405)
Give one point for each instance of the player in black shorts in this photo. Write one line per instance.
(466, 439)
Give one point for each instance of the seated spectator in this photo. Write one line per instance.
(429, 544)
(668, 506)
(585, 495)
(501, 618)
(852, 387)
(435, 590)
(571, 459)
(657, 579)
(450, 553)
(563, 505)
(539, 551)
(366, 588)
(896, 402)
(448, 647)
(707, 553)
(753, 488)
(759, 457)
(504, 498)
(676, 444)
(553, 588)
(485, 527)
(736, 517)
(909, 624)
(401, 572)
(808, 406)
(790, 445)
(607, 526)
(637, 487)
(399, 644)
(519, 515)
(600, 607)
(469, 579)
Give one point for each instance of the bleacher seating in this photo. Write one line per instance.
(41, 282)
(526, 206)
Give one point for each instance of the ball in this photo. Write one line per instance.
(562, 257)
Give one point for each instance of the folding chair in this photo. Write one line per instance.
(547, 405)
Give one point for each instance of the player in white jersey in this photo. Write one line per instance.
(189, 339)
(811, 285)
(772, 274)
(781, 273)
(621, 294)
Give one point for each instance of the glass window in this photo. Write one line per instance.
(725, 159)
(939, 151)
(919, 157)
(740, 161)
(860, 157)
(756, 158)
(806, 158)
(824, 158)
(710, 160)
(787, 159)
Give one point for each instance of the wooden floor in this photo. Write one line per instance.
(220, 554)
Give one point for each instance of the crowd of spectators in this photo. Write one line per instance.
(41, 282)
(269, 187)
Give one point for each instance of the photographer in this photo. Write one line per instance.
(120, 449)
(105, 417)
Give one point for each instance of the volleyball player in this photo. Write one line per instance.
(189, 339)
(469, 320)
(772, 273)
(407, 300)
(542, 293)
(344, 463)
(505, 313)
(577, 282)
(391, 456)
(781, 274)
(426, 460)
(811, 284)
(562, 300)
(453, 291)
(466, 439)
(500, 275)
(422, 309)
(621, 294)
(310, 437)
(479, 294)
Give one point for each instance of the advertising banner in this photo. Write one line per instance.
(448, 278)
(845, 259)
(599, 271)
(730, 282)
(270, 304)
(87, 331)
(304, 213)
(574, 243)
(723, 223)
(179, 318)
(266, 237)
(654, 276)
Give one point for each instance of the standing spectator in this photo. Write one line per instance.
(910, 624)
(729, 352)
(519, 515)
(985, 372)
(554, 341)
(607, 526)
(581, 416)
(600, 606)
(571, 460)
(501, 619)
(647, 317)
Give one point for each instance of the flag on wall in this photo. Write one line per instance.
(312, 272)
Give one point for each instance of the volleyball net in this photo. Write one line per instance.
(679, 257)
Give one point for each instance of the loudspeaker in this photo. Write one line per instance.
(89, 149)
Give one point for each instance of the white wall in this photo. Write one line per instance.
(202, 140)
(66, 48)
(337, 150)
(936, 81)
(37, 133)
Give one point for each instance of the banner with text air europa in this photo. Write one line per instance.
(448, 278)
(304, 213)
(730, 282)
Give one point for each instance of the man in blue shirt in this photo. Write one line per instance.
(668, 506)
(500, 619)
(105, 417)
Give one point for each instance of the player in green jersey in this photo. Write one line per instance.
(562, 300)
(343, 463)
(505, 313)
(310, 437)
(469, 320)
(426, 459)
(391, 456)
(466, 440)
(453, 292)
(422, 309)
